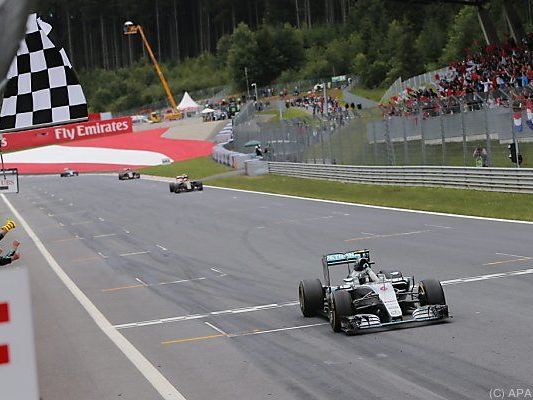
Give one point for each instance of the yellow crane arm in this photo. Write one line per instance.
(138, 28)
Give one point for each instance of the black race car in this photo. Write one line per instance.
(127, 174)
(184, 184)
(366, 300)
(68, 173)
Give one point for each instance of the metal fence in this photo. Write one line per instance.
(422, 80)
(466, 137)
(491, 179)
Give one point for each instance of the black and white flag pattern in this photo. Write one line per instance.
(42, 87)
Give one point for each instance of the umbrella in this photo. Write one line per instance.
(252, 143)
(208, 111)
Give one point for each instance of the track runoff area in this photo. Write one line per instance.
(145, 294)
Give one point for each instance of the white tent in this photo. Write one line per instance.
(188, 104)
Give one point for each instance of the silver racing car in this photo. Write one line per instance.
(67, 172)
(127, 174)
(366, 300)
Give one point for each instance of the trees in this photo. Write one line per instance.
(378, 40)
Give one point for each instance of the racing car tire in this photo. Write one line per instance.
(200, 186)
(172, 187)
(430, 293)
(341, 307)
(311, 297)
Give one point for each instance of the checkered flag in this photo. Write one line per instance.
(42, 87)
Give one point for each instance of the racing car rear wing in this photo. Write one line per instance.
(334, 259)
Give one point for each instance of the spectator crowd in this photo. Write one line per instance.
(493, 75)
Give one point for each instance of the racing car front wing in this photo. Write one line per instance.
(360, 322)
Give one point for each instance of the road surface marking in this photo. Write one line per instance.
(207, 315)
(217, 270)
(123, 287)
(290, 328)
(508, 261)
(242, 334)
(295, 303)
(345, 203)
(133, 254)
(101, 255)
(141, 281)
(216, 328)
(82, 223)
(161, 247)
(161, 283)
(126, 231)
(194, 339)
(65, 213)
(486, 277)
(67, 239)
(101, 219)
(388, 236)
(438, 226)
(104, 235)
(152, 374)
(511, 255)
(368, 233)
(83, 259)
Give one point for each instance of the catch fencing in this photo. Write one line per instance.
(490, 179)
(474, 130)
(415, 82)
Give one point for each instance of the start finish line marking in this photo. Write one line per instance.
(295, 303)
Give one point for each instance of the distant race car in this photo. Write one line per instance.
(183, 184)
(366, 300)
(68, 173)
(127, 174)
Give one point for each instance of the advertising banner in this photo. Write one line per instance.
(65, 133)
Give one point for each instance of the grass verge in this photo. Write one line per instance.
(372, 94)
(196, 168)
(453, 201)
(287, 114)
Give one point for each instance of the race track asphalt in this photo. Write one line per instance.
(204, 285)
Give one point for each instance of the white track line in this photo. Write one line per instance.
(104, 235)
(156, 379)
(141, 281)
(370, 206)
(216, 328)
(291, 328)
(216, 270)
(295, 303)
(133, 254)
(487, 277)
(511, 255)
(201, 316)
(161, 247)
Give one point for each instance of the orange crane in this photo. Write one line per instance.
(131, 29)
